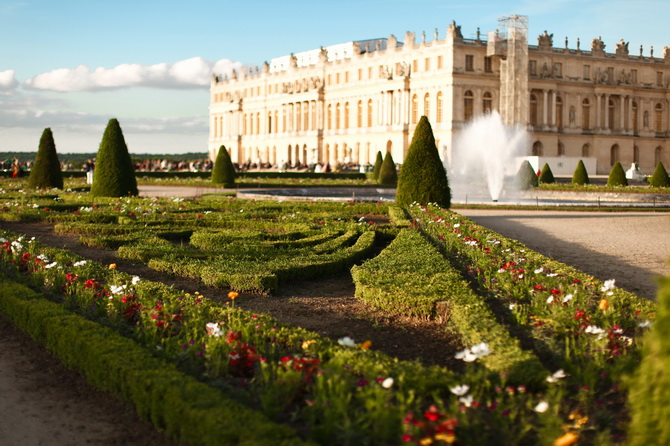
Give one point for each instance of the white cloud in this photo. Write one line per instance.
(8, 80)
(195, 72)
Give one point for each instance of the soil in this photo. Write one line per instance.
(45, 403)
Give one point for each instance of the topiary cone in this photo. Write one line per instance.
(423, 178)
(650, 387)
(617, 176)
(114, 174)
(378, 166)
(527, 176)
(46, 172)
(387, 174)
(223, 172)
(546, 176)
(660, 177)
(580, 176)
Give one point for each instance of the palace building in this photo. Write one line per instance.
(346, 102)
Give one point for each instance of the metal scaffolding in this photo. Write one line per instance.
(510, 43)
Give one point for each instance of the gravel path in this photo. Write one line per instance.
(631, 247)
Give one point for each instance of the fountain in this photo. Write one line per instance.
(485, 159)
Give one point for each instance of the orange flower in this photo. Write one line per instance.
(603, 304)
(233, 294)
(567, 439)
(366, 345)
(112, 266)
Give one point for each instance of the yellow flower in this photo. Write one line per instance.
(366, 345)
(112, 266)
(426, 441)
(447, 438)
(233, 294)
(567, 439)
(603, 304)
(306, 344)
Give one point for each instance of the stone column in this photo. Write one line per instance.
(553, 108)
(597, 107)
(578, 112)
(606, 124)
(544, 107)
(622, 122)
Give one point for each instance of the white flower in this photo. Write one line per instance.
(542, 407)
(473, 353)
(117, 289)
(608, 285)
(512, 306)
(567, 298)
(550, 299)
(558, 374)
(501, 270)
(387, 383)
(457, 225)
(80, 263)
(520, 276)
(466, 355)
(346, 342)
(135, 280)
(466, 400)
(460, 390)
(481, 350)
(539, 270)
(51, 265)
(213, 329)
(645, 324)
(35, 205)
(594, 330)
(552, 275)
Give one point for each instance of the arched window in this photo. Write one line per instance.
(269, 122)
(283, 119)
(438, 105)
(426, 105)
(346, 115)
(337, 116)
(468, 105)
(330, 116)
(276, 121)
(657, 155)
(298, 116)
(305, 113)
(610, 114)
(586, 150)
(487, 102)
(658, 118)
(313, 121)
(415, 110)
(586, 119)
(634, 116)
(370, 113)
(559, 112)
(614, 154)
(359, 118)
(533, 110)
(636, 154)
(537, 148)
(561, 149)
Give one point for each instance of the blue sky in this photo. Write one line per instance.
(73, 64)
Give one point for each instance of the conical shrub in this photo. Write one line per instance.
(46, 172)
(617, 176)
(378, 166)
(388, 175)
(580, 176)
(650, 387)
(546, 176)
(527, 176)
(114, 174)
(660, 177)
(223, 172)
(423, 178)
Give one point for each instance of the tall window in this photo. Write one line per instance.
(469, 62)
(359, 119)
(298, 116)
(636, 154)
(330, 116)
(438, 117)
(614, 154)
(533, 110)
(269, 122)
(559, 112)
(370, 113)
(305, 115)
(586, 119)
(313, 121)
(561, 149)
(487, 102)
(610, 115)
(468, 103)
(537, 148)
(659, 78)
(337, 116)
(587, 72)
(488, 65)
(426, 105)
(427, 64)
(346, 115)
(634, 113)
(415, 109)
(658, 118)
(439, 62)
(586, 151)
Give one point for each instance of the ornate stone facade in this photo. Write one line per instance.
(346, 102)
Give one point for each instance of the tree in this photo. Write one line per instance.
(617, 176)
(422, 177)
(580, 176)
(378, 166)
(387, 174)
(546, 176)
(527, 176)
(114, 174)
(660, 176)
(46, 172)
(650, 387)
(223, 172)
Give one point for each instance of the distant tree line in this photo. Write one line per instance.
(77, 159)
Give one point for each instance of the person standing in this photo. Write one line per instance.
(89, 167)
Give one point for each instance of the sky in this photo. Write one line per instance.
(72, 65)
